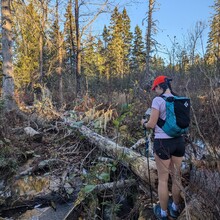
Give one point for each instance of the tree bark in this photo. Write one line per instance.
(8, 81)
(41, 41)
(134, 161)
(149, 35)
(60, 59)
(78, 50)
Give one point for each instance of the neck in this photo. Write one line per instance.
(167, 91)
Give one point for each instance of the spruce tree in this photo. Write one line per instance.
(116, 45)
(127, 39)
(138, 51)
(105, 35)
(213, 47)
(89, 57)
(119, 46)
(26, 45)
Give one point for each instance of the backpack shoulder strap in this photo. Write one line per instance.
(162, 96)
(160, 121)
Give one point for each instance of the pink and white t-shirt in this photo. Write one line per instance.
(160, 104)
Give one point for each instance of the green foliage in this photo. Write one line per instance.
(138, 54)
(119, 43)
(90, 58)
(27, 31)
(113, 208)
(213, 48)
(88, 188)
(125, 111)
(99, 173)
(106, 36)
(69, 40)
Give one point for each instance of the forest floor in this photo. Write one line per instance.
(51, 170)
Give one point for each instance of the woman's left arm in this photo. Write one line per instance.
(153, 119)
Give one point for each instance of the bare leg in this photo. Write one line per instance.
(163, 175)
(175, 167)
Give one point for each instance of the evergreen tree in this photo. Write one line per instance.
(89, 57)
(26, 45)
(127, 39)
(213, 48)
(105, 35)
(70, 40)
(100, 58)
(116, 45)
(93, 62)
(106, 38)
(53, 48)
(119, 46)
(157, 64)
(138, 52)
(58, 52)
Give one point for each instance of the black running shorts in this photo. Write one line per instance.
(165, 148)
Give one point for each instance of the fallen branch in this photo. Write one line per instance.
(40, 166)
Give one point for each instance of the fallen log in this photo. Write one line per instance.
(40, 166)
(195, 205)
(33, 134)
(129, 158)
(132, 160)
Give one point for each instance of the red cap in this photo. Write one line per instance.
(158, 80)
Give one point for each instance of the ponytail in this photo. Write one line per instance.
(166, 85)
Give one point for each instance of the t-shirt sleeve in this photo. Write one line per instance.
(156, 103)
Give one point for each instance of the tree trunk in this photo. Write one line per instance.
(148, 36)
(78, 52)
(134, 161)
(8, 81)
(60, 59)
(72, 43)
(41, 40)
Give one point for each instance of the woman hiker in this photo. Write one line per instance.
(168, 152)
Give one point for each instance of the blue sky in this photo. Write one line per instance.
(174, 17)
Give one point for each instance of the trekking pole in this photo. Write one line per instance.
(147, 136)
